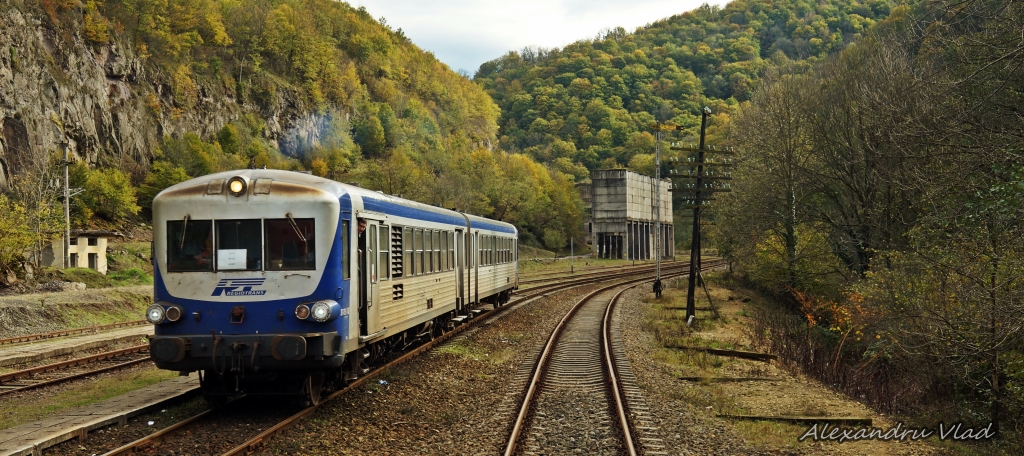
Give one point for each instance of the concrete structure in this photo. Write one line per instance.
(623, 215)
(88, 250)
(588, 228)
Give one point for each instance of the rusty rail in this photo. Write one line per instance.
(31, 372)
(70, 332)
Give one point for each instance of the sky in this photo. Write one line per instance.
(467, 33)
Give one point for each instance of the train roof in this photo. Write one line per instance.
(374, 200)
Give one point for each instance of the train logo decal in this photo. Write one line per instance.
(230, 287)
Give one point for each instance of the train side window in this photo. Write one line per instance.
(418, 238)
(239, 245)
(444, 251)
(451, 250)
(189, 245)
(436, 254)
(344, 250)
(290, 244)
(428, 252)
(384, 253)
(410, 263)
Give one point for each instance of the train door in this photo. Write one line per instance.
(370, 279)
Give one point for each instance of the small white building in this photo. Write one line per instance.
(88, 250)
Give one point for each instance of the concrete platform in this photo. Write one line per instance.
(32, 438)
(26, 353)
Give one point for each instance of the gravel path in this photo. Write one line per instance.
(685, 432)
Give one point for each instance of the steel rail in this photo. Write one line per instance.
(70, 332)
(542, 364)
(32, 371)
(76, 376)
(626, 270)
(538, 370)
(613, 376)
(258, 441)
(156, 437)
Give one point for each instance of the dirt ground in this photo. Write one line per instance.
(778, 391)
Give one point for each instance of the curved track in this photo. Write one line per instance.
(575, 399)
(255, 443)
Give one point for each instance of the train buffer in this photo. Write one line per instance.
(32, 438)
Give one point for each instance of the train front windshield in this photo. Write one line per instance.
(241, 245)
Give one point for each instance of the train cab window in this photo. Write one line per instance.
(290, 244)
(238, 245)
(410, 263)
(345, 264)
(189, 245)
(384, 253)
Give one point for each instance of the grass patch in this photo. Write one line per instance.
(123, 305)
(129, 277)
(91, 278)
(14, 412)
(124, 256)
(772, 433)
(465, 349)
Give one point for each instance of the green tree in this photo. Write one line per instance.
(106, 193)
(15, 235)
(161, 175)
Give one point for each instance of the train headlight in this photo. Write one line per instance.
(173, 313)
(236, 185)
(155, 314)
(321, 311)
(326, 310)
(302, 312)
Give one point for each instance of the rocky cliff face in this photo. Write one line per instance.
(102, 100)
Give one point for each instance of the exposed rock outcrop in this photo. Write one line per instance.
(109, 106)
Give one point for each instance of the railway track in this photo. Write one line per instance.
(64, 371)
(576, 399)
(69, 332)
(255, 443)
(629, 270)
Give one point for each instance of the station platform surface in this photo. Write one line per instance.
(34, 351)
(32, 438)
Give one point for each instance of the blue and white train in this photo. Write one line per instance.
(272, 282)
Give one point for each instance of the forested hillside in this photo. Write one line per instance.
(151, 92)
(591, 104)
(881, 193)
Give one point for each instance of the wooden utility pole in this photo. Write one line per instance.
(708, 175)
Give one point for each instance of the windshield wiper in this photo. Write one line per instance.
(295, 227)
(184, 226)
